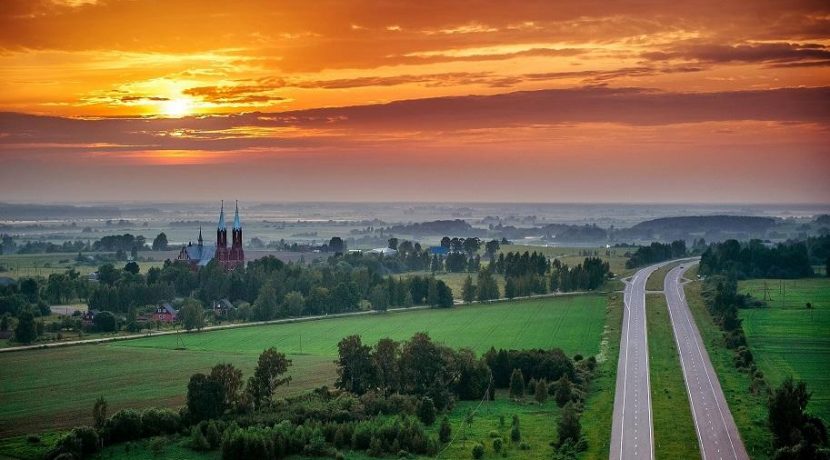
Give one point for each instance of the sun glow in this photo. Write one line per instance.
(176, 108)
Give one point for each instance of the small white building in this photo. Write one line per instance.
(385, 252)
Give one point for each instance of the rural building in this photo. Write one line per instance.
(386, 252)
(439, 250)
(222, 307)
(200, 255)
(165, 313)
(88, 317)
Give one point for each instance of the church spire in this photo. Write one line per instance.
(200, 235)
(222, 217)
(236, 224)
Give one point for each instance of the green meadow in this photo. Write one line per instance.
(56, 388)
(789, 339)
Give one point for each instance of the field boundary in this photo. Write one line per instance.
(278, 321)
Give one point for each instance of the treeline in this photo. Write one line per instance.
(533, 273)
(126, 243)
(272, 288)
(656, 252)
(755, 259)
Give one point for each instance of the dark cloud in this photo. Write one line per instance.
(348, 126)
(776, 53)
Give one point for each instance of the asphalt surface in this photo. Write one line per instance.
(716, 431)
(632, 430)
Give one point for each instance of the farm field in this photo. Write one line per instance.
(748, 410)
(674, 430)
(56, 388)
(33, 265)
(787, 339)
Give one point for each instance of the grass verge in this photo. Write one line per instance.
(599, 406)
(674, 429)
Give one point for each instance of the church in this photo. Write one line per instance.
(199, 255)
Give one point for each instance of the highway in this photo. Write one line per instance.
(716, 431)
(632, 431)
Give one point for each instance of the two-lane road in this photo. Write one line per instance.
(632, 431)
(716, 431)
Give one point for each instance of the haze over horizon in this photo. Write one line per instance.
(694, 102)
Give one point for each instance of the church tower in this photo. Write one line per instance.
(222, 239)
(237, 254)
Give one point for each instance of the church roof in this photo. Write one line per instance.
(200, 254)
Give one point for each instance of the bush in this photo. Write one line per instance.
(498, 443)
(426, 411)
(524, 446)
(515, 434)
(33, 439)
(445, 431)
(155, 421)
(517, 384)
(494, 434)
(157, 446)
(478, 451)
(198, 441)
(78, 443)
(124, 425)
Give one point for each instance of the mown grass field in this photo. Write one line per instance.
(674, 430)
(788, 339)
(56, 388)
(748, 410)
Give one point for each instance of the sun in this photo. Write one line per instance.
(176, 108)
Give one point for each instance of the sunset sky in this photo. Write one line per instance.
(648, 101)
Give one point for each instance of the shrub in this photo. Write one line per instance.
(498, 443)
(517, 384)
(445, 431)
(155, 421)
(478, 451)
(426, 411)
(494, 434)
(515, 434)
(33, 439)
(524, 446)
(198, 441)
(213, 433)
(157, 446)
(78, 443)
(124, 425)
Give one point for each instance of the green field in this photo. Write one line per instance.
(674, 429)
(748, 410)
(787, 339)
(56, 388)
(34, 265)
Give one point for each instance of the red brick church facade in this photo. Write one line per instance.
(229, 258)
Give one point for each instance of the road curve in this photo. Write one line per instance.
(632, 430)
(716, 431)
